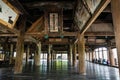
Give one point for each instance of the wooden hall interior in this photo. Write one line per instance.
(59, 39)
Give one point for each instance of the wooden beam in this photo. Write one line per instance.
(27, 34)
(46, 21)
(63, 34)
(36, 33)
(99, 34)
(57, 41)
(30, 38)
(35, 24)
(7, 34)
(115, 8)
(81, 54)
(60, 4)
(54, 34)
(13, 30)
(96, 14)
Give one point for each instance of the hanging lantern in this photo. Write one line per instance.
(62, 36)
(46, 36)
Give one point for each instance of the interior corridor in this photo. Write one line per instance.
(60, 70)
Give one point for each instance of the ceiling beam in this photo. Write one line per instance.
(99, 34)
(42, 5)
(63, 34)
(62, 42)
(35, 24)
(7, 34)
(13, 30)
(95, 15)
(30, 39)
(54, 34)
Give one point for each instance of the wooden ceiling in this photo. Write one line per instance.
(97, 34)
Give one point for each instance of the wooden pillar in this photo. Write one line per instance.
(19, 54)
(115, 7)
(89, 55)
(92, 54)
(20, 47)
(98, 54)
(48, 57)
(74, 55)
(27, 54)
(11, 53)
(14, 48)
(103, 54)
(54, 58)
(70, 55)
(86, 55)
(37, 54)
(49, 53)
(61, 56)
(108, 58)
(81, 52)
(111, 57)
(5, 50)
(95, 55)
(52, 55)
(1, 53)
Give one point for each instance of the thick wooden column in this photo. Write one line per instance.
(111, 57)
(115, 7)
(19, 54)
(74, 55)
(20, 47)
(81, 52)
(37, 54)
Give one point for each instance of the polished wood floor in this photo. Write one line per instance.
(60, 70)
